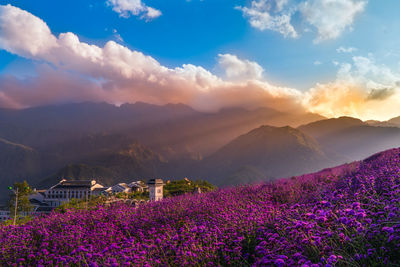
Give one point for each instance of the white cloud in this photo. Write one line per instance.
(238, 69)
(265, 15)
(83, 72)
(346, 49)
(117, 74)
(362, 89)
(126, 8)
(31, 42)
(317, 63)
(331, 17)
(280, 4)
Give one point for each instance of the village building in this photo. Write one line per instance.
(4, 214)
(101, 191)
(120, 188)
(138, 186)
(44, 201)
(65, 190)
(155, 189)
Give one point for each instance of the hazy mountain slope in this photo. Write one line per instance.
(382, 123)
(79, 172)
(205, 134)
(351, 138)
(126, 142)
(174, 127)
(329, 126)
(266, 153)
(48, 125)
(107, 158)
(394, 121)
(17, 162)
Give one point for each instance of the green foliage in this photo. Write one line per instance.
(19, 220)
(121, 195)
(133, 195)
(173, 188)
(81, 204)
(179, 187)
(139, 195)
(22, 190)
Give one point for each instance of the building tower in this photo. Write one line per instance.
(156, 189)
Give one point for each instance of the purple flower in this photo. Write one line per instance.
(279, 262)
(390, 230)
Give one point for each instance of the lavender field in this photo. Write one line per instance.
(349, 215)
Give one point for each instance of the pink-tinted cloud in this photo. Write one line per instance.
(72, 70)
(123, 75)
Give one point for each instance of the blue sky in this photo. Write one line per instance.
(197, 32)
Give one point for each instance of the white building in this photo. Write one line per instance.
(120, 188)
(101, 191)
(65, 190)
(4, 214)
(138, 186)
(156, 189)
(7, 215)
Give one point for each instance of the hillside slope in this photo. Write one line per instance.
(159, 127)
(343, 216)
(17, 162)
(92, 139)
(264, 153)
(351, 139)
(107, 158)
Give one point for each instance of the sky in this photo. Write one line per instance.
(332, 57)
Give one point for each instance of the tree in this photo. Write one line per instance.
(80, 204)
(20, 199)
(179, 187)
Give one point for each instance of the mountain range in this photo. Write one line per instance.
(265, 153)
(138, 141)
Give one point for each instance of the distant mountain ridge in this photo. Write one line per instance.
(150, 124)
(266, 153)
(141, 141)
(330, 126)
(352, 139)
(122, 142)
(17, 162)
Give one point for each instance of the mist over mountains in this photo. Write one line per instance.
(140, 141)
(265, 153)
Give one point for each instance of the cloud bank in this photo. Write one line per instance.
(72, 70)
(362, 89)
(116, 74)
(238, 69)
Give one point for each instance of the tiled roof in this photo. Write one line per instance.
(74, 184)
(100, 189)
